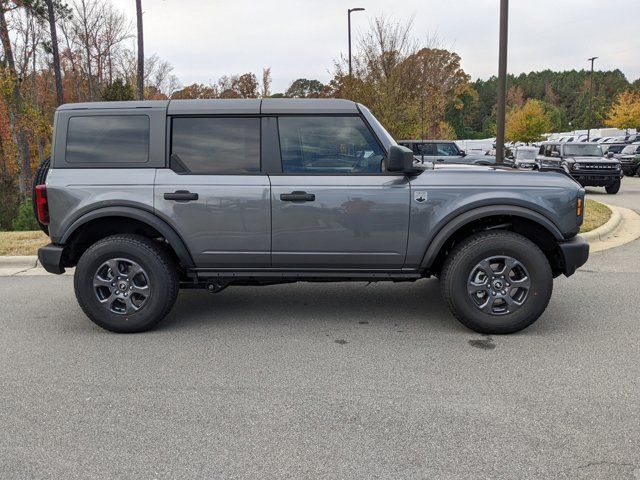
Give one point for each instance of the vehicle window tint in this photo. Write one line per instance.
(541, 151)
(328, 145)
(108, 139)
(428, 149)
(216, 145)
(447, 149)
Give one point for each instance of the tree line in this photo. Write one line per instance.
(87, 50)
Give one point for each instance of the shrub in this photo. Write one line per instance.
(25, 220)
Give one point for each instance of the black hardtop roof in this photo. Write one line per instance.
(234, 106)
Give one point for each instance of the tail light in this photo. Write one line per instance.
(42, 204)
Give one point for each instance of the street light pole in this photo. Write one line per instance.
(359, 9)
(502, 80)
(592, 59)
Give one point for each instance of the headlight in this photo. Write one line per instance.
(576, 166)
(618, 167)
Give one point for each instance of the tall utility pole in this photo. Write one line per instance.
(502, 79)
(140, 79)
(592, 59)
(349, 27)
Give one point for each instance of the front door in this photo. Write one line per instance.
(333, 206)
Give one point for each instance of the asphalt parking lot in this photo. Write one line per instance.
(326, 381)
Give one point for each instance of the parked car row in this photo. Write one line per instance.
(446, 151)
(587, 163)
(583, 137)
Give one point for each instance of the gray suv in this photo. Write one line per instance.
(145, 198)
(586, 163)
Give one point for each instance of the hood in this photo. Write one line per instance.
(592, 160)
(494, 176)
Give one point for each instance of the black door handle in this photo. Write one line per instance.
(297, 197)
(181, 196)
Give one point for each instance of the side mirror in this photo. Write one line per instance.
(400, 159)
(609, 154)
(463, 153)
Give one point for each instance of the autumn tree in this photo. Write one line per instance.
(15, 101)
(411, 88)
(266, 83)
(119, 90)
(194, 91)
(527, 123)
(304, 88)
(625, 112)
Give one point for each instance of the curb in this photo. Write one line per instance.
(623, 229)
(601, 233)
(19, 261)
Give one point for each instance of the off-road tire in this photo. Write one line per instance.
(158, 266)
(39, 178)
(464, 258)
(613, 188)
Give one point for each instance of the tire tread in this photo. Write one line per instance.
(458, 255)
(165, 262)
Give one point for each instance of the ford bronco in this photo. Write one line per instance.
(145, 198)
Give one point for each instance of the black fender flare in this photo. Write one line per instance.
(477, 213)
(172, 237)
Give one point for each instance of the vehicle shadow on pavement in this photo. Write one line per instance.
(419, 304)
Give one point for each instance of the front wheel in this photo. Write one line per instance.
(497, 282)
(126, 283)
(613, 188)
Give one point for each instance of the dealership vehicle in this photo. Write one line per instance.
(445, 151)
(522, 157)
(144, 198)
(614, 148)
(586, 163)
(630, 159)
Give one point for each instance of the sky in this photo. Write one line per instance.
(205, 39)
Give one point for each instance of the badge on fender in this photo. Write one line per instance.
(420, 196)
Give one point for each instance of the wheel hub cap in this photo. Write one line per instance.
(498, 285)
(121, 286)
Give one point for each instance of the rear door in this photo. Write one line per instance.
(214, 194)
(333, 206)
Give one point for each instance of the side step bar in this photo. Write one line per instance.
(199, 274)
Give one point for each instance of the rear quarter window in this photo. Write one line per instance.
(104, 139)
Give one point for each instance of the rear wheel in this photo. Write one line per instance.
(613, 188)
(497, 282)
(126, 283)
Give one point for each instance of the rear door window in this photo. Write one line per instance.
(104, 139)
(222, 145)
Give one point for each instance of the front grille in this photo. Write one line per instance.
(597, 166)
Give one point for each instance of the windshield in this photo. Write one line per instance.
(629, 149)
(584, 150)
(615, 148)
(385, 136)
(528, 154)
